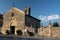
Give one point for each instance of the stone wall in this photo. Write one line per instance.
(49, 31)
(32, 22)
(55, 32)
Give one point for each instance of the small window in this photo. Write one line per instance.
(12, 14)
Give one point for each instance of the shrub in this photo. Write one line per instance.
(55, 24)
(19, 32)
(30, 33)
(7, 31)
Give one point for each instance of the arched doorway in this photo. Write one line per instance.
(12, 29)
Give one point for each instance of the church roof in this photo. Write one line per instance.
(13, 9)
(33, 17)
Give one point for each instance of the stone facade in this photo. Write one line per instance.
(32, 22)
(16, 19)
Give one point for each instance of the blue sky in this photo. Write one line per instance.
(46, 10)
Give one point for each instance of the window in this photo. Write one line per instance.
(12, 14)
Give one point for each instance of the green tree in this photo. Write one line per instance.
(55, 24)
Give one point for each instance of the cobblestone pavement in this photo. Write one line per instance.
(11, 37)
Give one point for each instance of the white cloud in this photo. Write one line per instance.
(50, 17)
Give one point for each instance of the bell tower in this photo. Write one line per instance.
(27, 10)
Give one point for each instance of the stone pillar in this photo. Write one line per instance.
(50, 31)
(15, 32)
(42, 31)
(25, 31)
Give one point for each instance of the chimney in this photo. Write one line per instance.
(27, 10)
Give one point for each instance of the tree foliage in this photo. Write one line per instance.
(55, 24)
(19, 32)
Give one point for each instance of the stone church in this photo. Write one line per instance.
(16, 21)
